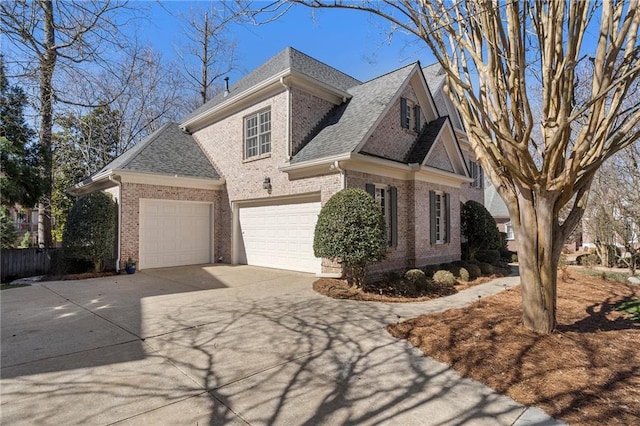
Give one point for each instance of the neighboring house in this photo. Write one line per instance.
(500, 213)
(25, 221)
(242, 179)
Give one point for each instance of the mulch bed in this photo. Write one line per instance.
(585, 373)
(340, 289)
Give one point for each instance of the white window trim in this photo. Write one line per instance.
(477, 174)
(260, 152)
(510, 235)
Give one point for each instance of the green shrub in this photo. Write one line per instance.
(7, 230)
(429, 270)
(90, 229)
(444, 278)
(588, 259)
(463, 275)
(486, 268)
(479, 228)
(474, 271)
(26, 240)
(417, 277)
(514, 258)
(350, 230)
(488, 256)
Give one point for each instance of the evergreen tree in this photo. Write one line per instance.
(20, 179)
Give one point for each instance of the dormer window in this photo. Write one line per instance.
(257, 134)
(410, 115)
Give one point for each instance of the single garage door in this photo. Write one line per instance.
(280, 236)
(174, 233)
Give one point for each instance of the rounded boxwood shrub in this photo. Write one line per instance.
(474, 270)
(429, 270)
(444, 278)
(350, 230)
(417, 277)
(89, 232)
(479, 228)
(486, 268)
(463, 275)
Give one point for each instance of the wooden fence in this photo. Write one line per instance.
(20, 263)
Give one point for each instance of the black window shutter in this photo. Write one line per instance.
(371, 189)
(417, 112)
(432, 216)
(393, 205)
(447, 223)
(403, 113)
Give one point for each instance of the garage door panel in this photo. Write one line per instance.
(280, 236)
(174, 233)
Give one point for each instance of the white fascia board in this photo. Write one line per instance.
(442, 177)
(242, 99)
(322, 166)
(167, 180)
(94, 183)
(209, 115)
(318, 88)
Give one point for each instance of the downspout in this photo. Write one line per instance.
(343, 174)
(119, 184)
(288, 88)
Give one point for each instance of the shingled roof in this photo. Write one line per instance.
(348, 125)
(167, 151)
(425, 141)
(291, 59)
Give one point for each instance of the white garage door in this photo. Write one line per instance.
(174, 233)
(280, 236)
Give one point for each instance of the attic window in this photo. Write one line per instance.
(410, 115)
(257, 134)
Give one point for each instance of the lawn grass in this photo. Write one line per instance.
(8, 286)
(611, 276)
(631, 308)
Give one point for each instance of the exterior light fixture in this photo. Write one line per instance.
(266, 183)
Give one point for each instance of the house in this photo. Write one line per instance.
(498, 209)
(242, 179)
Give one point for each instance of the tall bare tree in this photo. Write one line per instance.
(613, 213)
(53, 37)
(210, 45)
(491, 52)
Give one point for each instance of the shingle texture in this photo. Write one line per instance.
(434, 75)
(425, 141)
(348, 125)
(493, 202)
(167, 151)
(289, 58)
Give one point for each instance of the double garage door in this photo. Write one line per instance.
(174, 233)
(279, 236)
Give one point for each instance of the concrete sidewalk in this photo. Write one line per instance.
(228, 345)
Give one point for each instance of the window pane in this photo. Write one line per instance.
(252, 147)
(265, 143)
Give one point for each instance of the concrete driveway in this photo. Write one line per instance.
(227, 345)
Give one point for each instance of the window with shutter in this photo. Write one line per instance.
(416, 110)
(387, 198)
(440, 218)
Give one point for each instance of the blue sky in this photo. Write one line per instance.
(353, 42)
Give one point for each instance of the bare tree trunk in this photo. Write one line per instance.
(47, 65)
(204, 86)
(539, 249)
